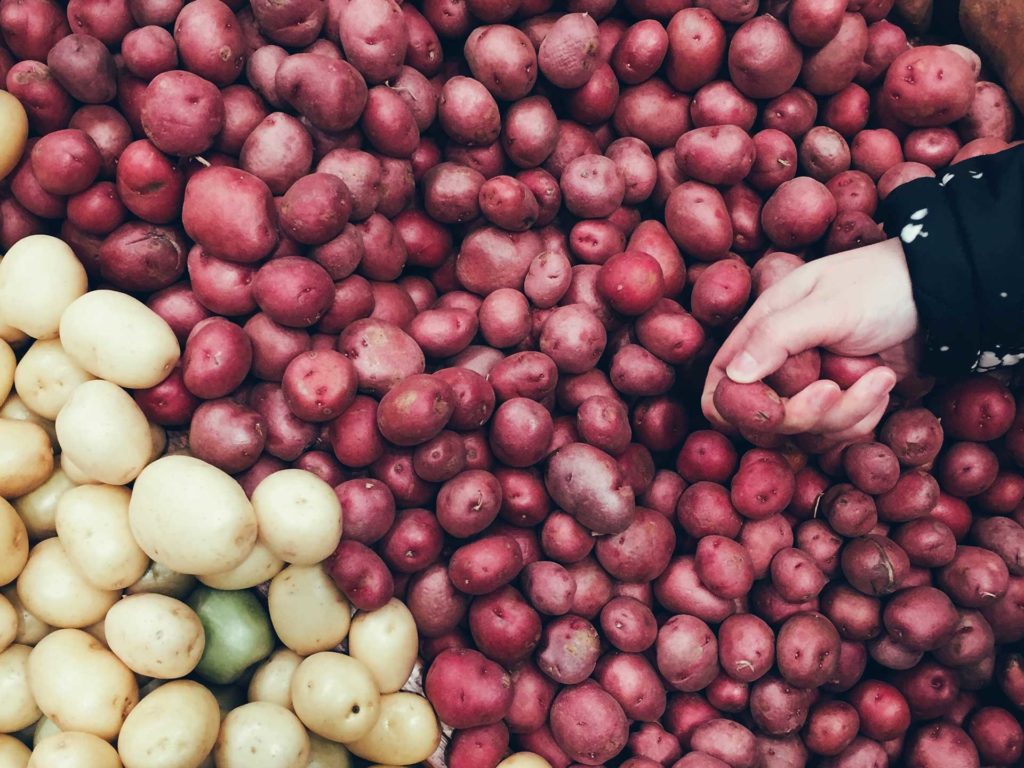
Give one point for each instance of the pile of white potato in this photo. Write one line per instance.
(101, 617)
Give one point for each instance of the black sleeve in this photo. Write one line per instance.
(963, 233)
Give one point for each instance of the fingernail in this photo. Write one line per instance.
(743, 368)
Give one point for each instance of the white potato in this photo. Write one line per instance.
(31, 629)
(299, 516)
(14, 408)
(155, 635)
(8, 363)
(54, 590)
(387, 642)
(46, 377)
(80, 685)
(13, 543)
(118, 338)
(524, 760)
(191, 516)
(104, 432)
(17, 706)
(175, 726)
(8, 623)
(406, 732)
(13, 133)
(157, 442)
(26, 456)
(38, 508)
(45, 727)
(308, 611)
(163, 581)
(272, 680)
(74, 749)
(261, 735)
(13, 754)
(40, 276)
(75, 473)
(98, 631)
(335, 696)
(324, 753)
(92, 524)
(259, 566)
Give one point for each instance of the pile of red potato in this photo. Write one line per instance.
(468, 263)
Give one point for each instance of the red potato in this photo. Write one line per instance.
(529, 131)
(633, 682)
(720, 155)
(549, 587)
(319, 385)
(721, 103)
(148, 184)
(913, 496)
(876, 151)
(47, 104)
(287, 437)
(261, 71)
(594, 241)
(415, 540)
(764, 60)
(721, 292)
(369, 510)
(798, 213)
(168, 403)
(874, 565)
(293, 291)
(1004, 495)
(221, 286)
(329, 93)
(389, 123)
(354, 436)
(977, 408)
(641, 552)
(520, 432)
(928, 86)
(967, 469)
(793, 113)
(569, 650)
(361, 575)
(814, 24)
(884, 712)
(65, 162)
(567, 54)
(210, 41)
(588, 723)
(915, 435)
(652, 238)
(974, 578)
(748, 406)
(214, 198)
(374, 38)
(861, 752)
(687, 653)
(640, 51)
(504, 627)
(723, 566)
(824, 153)
(920, 618)
(928, 543)
(142, 257)
(728, 695)
(807, 650)
(745, 212)
(680, 590)
(502, 58)
(440, 458)
(279, 151)
(227, 434)
(670, 332)
(85, 68)
(990, 115)
(697, 218)
(775, 160)
(1004, 537)
(833, 67)
(978, 148)
(727, 741)
(532, 695)
(886, 41)
(631, 282)
(653, 112)
(940, 742)
(30, 29)
(652, 746)
(467, 690)
(382, 354)
(594, 102)
(855, 615)
(900, 174)
(954, 512)
(591, 186)
(831, 727)
(485, 565)
(696, 48)
(796, 576)
(148, 51)
(483, 745)
(998, 736)
(635, 371)
(705, 508)
(847, 111)
(854, 191)
(628, 624)
(468, 113)
(524, 374)
(109, 131)
(217, 358)
(778, 708)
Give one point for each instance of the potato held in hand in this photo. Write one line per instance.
(749, 406)
(587, 483)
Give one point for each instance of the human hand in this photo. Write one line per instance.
(856, 303)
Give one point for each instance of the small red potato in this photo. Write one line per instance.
(854, 191)
(603, 422)
(974, 578)
(670, 332)
(798, 213)
(696, 48)
(920, 618)
(369, 510)
(415, 540)
(65, 162)
(97, 210)
(775, 160)
(831, 727)
(491, 258)
(900, 174)
(807, 650)
(990, 115)
(631, 282)
(795, 575)
(468, 113)
(628, 624)
(328, 92)
(586, 482)
(847, 111)
(278, 151)
(287, 437)
(764, 60)
(565, 540)
(382, 353)
(967, 469)
(361, 575)
(389, 123)
(764, 538)
(928, 543)
(485, 565)
(872, 467)
(652, 112)
(640, 52)
(793, 113)
(483, 745)
(876, 152)
(913, 496)
(687, 653)
(315, 209)
(47, 104)
(531, 699)
(354, 436)
(217, 358)
(697, 218)
(148, 51)
(915, 435)
(520, 432)
(227, 434)
(998, 736)
(549, 587)
(727, 741)
(884, 712)
(928, 86)
(812, 23)
(1004, 537)
(293, 291)
(567, 55)
(588, 723)
(467, 690)
(149, 184)
(680, 590)
(976, 408)
(642, 551)
(832, 67)
(723, 566)
(374, 38)
(778, 708)
(109, 131)
(721, 292)
(874, 565)
(748, 406)
(319, 385)
(524, 374)
(215, 200)
(85, 68)
(142, 257)
(824, 153)
(529, 131)
(940, 742)
(633, 682)
(591, 186)
(886, 41)
(504, 626)
(721, 103)
(857, 616)
(503, 59)
(210, 41)
(569, 650)
(30, 29)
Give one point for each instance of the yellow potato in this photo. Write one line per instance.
(259, 566)
(308, 611)
(261, 735)
(155, 635)
(26, 456)
(74, 749)
(327, 754)
(40, 276)
(38, 509)
(191, 516)
(524, 760)
(31, 629)
(118, 338)
(163, 581)
(406, 732)
(8, 363)
(98, 631)
(80, 685)
(157, 442)
(17, 707)
(335, 696)
(8, 623)
(299, 516)
(175, 726)
(46, 377)
(13, 543)
(75, 473)
(103, 431)
(92, 524)
(13, 132)
(54, 590)
(14, 408)
(13, 754)
(272, 680)
(386, 641)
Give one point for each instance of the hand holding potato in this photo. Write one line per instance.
(857, 303)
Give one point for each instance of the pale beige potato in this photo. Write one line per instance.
(299, 516)
(31, 629)
(26, 456)
(13, 754)
(18, 708)
(13, 133)
(13, 543)
(162, 580)
(155, 635)
(524, 760)
(116, 337)
(104, 432)
(98, 631)
(14, 408)
(75, 473)
(259, 566)
(81, 685)
(406, 732)
(74, 749)
(272, 680)
(308, 611)
(44, 728)
(8, 623)
(157, 441)
(13, 336)
(46, 376)
(387, 642)
(54, 590)
(92, 524)
(191, 516)
(175, 726)
(335, 696)
(324, 753)
(261, 735)
(40, 276)
(8, 362)
(38, 508)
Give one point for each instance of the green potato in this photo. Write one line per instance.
(238, 632)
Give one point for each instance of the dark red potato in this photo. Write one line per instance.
(631, 282)
(65, 162)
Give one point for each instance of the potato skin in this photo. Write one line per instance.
(764, 60)
(928, 86)
(84, 67)
(467, 689)
(749, 406)
(587, 483)
(330, 93)
(215, 198)
(210, 41)
(832, 67)
(588, 723)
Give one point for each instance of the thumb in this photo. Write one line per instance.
(775, 338)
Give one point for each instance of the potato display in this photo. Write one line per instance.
(348, 362)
